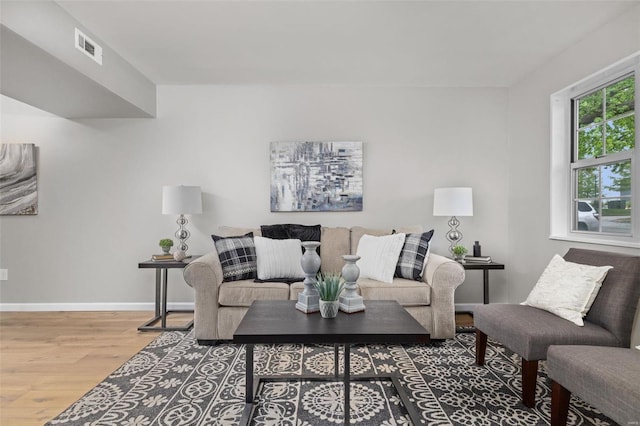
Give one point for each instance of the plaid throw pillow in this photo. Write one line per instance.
(412, 256)
(237, 257)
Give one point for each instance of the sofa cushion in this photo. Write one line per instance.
(379, 256)
(567, 289)
(237, 256)
(406, 292)
(245, 292)
(335, 244)
(413, 254)
(278, 259)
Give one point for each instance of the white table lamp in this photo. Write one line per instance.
(453, 202)
(182, 200)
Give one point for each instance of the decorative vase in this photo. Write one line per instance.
(329, 308)
(165, 249)
(310, 262)
(179, 255)
(351, 301)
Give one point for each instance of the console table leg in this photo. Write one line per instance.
(158, 284)
(485, 294)
(163, 313)
(347, 383)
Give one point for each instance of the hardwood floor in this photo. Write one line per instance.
(48, 360)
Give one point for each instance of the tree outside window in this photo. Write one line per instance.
(604, 140)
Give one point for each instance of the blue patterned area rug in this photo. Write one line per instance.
(173, 381)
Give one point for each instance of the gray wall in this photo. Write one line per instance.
(100, 180)
(529, 149)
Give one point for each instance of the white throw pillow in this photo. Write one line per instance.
(278, 258)
(567, 289)
(379, 256)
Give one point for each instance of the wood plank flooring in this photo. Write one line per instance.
(48, 360)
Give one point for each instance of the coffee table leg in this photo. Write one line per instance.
(347, 383)
(249, 374)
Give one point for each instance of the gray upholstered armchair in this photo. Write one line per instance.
(607, 378)
(529, 331)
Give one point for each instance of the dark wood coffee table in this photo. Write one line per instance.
(269, 322)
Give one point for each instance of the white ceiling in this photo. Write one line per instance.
(399, 43)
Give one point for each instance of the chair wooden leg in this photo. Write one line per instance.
(529, 377)
(560, 398)
(481, 346)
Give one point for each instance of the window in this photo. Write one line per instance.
(595, 176)
(603, 144)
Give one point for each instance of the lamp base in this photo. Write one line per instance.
(453, 236)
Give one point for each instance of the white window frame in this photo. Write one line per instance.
(561, 189)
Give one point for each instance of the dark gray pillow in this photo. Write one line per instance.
(289, 231)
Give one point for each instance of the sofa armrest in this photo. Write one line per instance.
(204, 275)
(443, 275)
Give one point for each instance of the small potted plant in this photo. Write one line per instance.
(459, 252)
(329, 286)
(166, 244)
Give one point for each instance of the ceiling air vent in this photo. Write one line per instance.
(88, 46)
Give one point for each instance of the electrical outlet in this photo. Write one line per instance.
(4, 274)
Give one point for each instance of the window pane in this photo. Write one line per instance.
(590, 142)
(603, 202)
(590, 109)
(620, 97)
(587, 217)
(621, 134)
(616, 179)
(588, 183)
(616, 216)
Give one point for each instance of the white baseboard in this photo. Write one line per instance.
(52, 307)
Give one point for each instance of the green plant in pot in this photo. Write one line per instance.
(329, 286)
(166, 244)
(459, 252)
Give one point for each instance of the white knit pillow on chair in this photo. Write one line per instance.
(567, 289)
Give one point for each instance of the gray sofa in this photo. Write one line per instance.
(219, 306)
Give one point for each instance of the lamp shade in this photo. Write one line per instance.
(452, 202)
(181, 200)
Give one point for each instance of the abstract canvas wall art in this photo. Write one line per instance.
(18, 179)
(316, 176)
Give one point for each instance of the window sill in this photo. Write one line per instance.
(598, 241)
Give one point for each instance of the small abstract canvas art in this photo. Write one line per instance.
(18, 179)
(316, 176)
